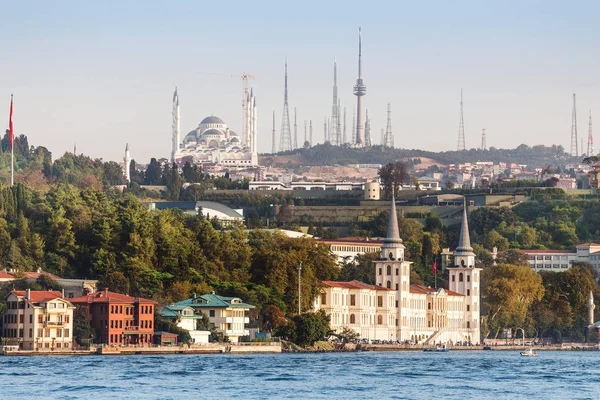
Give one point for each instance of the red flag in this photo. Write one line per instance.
(10, 123)
(434, 268)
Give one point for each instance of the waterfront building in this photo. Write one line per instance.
(395, 309)
(38, 320)
(186, 318)
(228, 315)
(119, 319)
(71, 287)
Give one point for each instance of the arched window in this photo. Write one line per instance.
(379, 271)
(388, 284)
(468, 278)
(379, 320)
(391, 256)
(389, 269)
(352, 319)
(460, 277)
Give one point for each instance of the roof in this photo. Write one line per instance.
(207, 207)
(353, 285)
(538, 251)
(38, 296)
(354, 240)
(167, 312)
(163, 333)
(5, 275)
(211, 300)
(464, 241)
(104, 296)
(212, 131)
(588, 244)
(212, 120)
(414, 288)
(393, 234)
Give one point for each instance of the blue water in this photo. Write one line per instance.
(399, 375)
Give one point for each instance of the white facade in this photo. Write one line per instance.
(38, 320)
(395, 309)
(267, 185)
(213, 141)
(346, 249)
(561, 260)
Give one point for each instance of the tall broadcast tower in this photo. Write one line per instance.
(483, 140)
(285, 143)
(574, 149)
(590, 143)
(368, 141)
(344, 139)
(359, 90)
(461, 127)
(295, 130)
(274, 141)
(176, 126)
(389, 136)
(334, 133)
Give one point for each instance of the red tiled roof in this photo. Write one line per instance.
(104, 296)
(35, 275)
(414, 288)
(537, 251)
(5, 275)
(37, 296)
(353, 285)
(588, 244)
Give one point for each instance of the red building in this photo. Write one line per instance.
(119, 319)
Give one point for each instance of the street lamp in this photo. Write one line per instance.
(299, 288)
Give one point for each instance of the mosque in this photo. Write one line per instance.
(213, 142)
(394, 309)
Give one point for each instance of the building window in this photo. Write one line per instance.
(468, 307)
(452, 278)
(380, 272)
(468, 324)
(352, 299)
(379, 301)
(389, 269)
(397, 286)
(379, 320)
(324, 298)
(211, 313)
(352, 319)
(460, 277)
(468, 292)
(468, 278)
(396, 303)
(388, 284)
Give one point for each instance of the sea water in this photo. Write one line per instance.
(363, 375)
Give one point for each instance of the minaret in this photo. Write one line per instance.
(75, 148)
(590, 143)
(295, 130)
(393, 272)
(252, 135)
(127, 164)
(359, 90)
(461, 126)
(334, 134)
(305, 133)
(274, 144)
(464, 279)
(285, 142)
(175, 127)
(483, 140)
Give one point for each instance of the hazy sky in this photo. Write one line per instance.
(102, 73)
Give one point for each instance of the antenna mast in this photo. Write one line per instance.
(590, 144)
(274, 144)
(574, 149)
(359, 90)
(461, 126)
(285, 143)
(389, 136)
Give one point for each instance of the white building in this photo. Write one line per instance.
(346, 249)
(213, 142)
(225, 314)
(185, 318)
(267, 185)
(561, 260)
(397, 310)
(38, 320)
(209, 209)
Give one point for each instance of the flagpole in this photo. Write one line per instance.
(12, 146)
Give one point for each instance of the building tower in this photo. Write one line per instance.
(368, 142)
(305, 133)
(273, 143)
(353, 126)
(590, 143)
(253, 128)
(285, 141)
(175, 127)
(461, 126)
(574, 149)
(389, 136)
(127, 164)
(344, 137)
(295, 130)
(483, 140)
(310, 141)
(464, 279)
(393, 272)
(359, 90)
(334, 133)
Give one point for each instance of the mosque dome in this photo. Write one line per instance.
(212, 120)
(232, 133)
(211, 132)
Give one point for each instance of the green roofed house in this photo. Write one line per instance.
(226, 314)
(186, 318)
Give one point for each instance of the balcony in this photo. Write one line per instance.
(54, 323)
(231, 320)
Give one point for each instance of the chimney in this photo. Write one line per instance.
(62, 293)
(28, 294)
(193, 296)
(39, 270)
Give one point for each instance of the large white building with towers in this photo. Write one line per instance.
(213, 142)
(394, 309)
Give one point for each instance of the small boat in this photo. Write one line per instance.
(529, 353)
(437, 349)
(487, 347)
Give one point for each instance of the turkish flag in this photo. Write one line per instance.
(10, 123)
(434, 267)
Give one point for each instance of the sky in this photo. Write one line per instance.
(102, 74)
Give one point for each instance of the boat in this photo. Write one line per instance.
(437, 349)
(529, 353)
